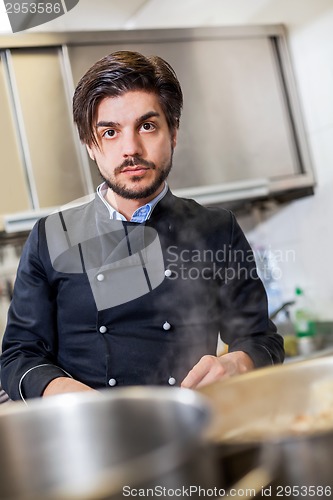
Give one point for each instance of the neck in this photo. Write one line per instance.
(127, 207)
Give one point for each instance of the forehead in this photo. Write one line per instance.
(129, 106)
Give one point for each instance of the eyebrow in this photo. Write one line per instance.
(146, 116)
(107, 124)
(141, 119)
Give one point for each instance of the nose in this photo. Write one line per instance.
(132, 144)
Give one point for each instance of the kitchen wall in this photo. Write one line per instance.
(304, 226)
(299, 234)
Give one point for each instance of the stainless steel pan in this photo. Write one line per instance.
(92, 445)
(279, 419)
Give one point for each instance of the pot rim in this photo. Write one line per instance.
(215, 391)
(111, 480)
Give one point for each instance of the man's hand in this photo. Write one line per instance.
(211, 368)
(61, 385)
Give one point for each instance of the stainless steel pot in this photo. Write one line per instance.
(93, 445)
(257, 423)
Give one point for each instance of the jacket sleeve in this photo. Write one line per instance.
(30, 338)
(245, 324)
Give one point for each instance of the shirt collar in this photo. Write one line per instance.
(141, 214)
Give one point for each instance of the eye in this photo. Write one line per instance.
(148, 127)
(109, 134)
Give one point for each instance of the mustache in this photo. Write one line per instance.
(134, 161)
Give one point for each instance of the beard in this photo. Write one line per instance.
(137, 194)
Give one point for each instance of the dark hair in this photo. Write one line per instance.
(121, 72)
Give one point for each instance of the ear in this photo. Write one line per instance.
(174, 136)
(90, 152)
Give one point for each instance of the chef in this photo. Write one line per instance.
(135, 286)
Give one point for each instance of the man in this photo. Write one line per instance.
(135, 286)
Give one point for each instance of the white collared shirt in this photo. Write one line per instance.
(140, 215)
